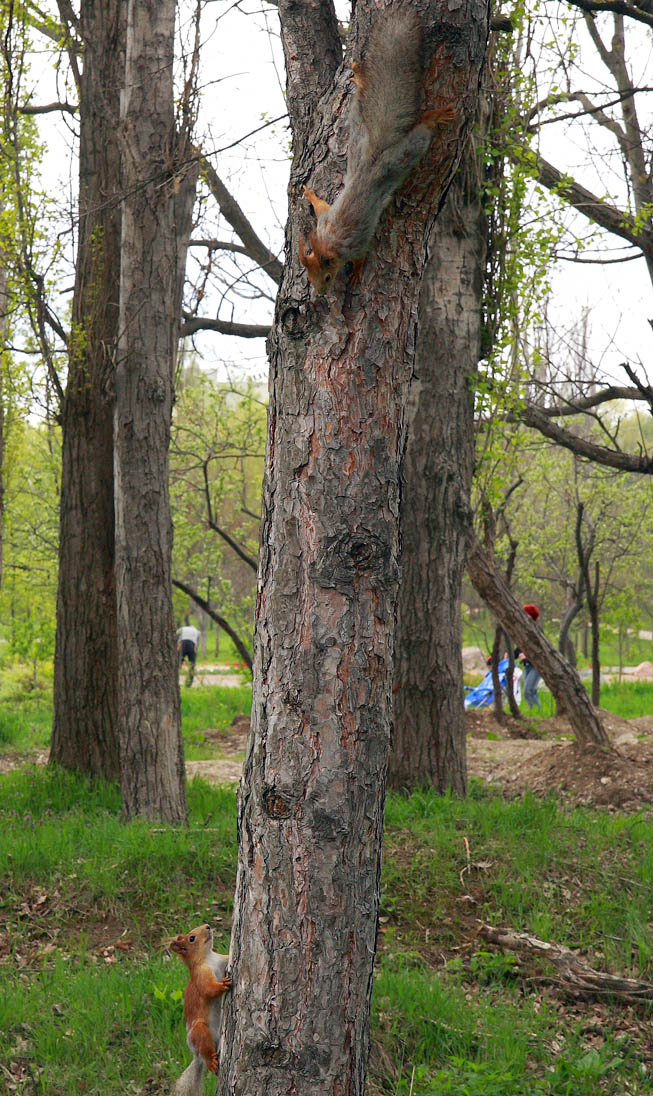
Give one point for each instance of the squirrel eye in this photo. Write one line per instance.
(191, 939)
(327, 277)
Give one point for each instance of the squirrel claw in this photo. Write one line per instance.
(438, 117)
(357, 270)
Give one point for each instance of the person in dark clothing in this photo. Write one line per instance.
(531, 677)
(188, 640)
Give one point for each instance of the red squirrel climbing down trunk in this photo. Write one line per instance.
(202, 1002)
(387, 138)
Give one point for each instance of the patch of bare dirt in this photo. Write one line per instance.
(216, 772)
(9, 762)
(233, 740)
(231, 681)
(620, 778)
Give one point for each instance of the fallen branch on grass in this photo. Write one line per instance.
(574, 973)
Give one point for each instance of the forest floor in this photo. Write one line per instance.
(536, 755)
(91, 1004)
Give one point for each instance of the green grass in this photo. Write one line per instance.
(210, 706)
(450, 1014)
(628, 699)
(501, 1046)
(581, 877)
(65, 834)
(26, 724)
(26, 717)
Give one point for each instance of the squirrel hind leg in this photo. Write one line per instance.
(201, 1042)
(319, 205)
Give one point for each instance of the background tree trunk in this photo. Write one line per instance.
(85, 731)
(156, 223)
(592, 596)
(497, 691)
(428, 737)
(561, 678)
(312, 796)
(565, 643)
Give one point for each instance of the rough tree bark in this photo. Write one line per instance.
(85, 736)
(428, 737)
(4, 317)
(561, 678)
(312, 796)
(159, 191)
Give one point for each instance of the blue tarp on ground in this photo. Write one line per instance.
(482, 696)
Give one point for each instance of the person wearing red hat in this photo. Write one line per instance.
(531, 677)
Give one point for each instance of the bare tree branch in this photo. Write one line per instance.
(645, 391)
(607, 216)
(219, 245)
(237, 548)
(619, 7)
(583, 403)
(611, 458)
(192, 324)
(576, 976)
(231, 211)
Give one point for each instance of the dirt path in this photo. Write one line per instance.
(536, 756)
(530, 755)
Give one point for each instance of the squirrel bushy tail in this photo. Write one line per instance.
(388, 135)
(389, 79)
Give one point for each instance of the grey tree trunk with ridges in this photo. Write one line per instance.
(159, 191)
(429, 733)
(85, 731)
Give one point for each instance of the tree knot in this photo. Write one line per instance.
(348, 556)
(278, 804)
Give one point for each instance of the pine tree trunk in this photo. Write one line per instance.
(156, 224)
(4, 317)
(312, 797)
(563, 681)
(85, 735)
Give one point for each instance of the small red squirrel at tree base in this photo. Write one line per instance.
(202, 1002)
(387, 137)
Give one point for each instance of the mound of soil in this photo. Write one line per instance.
(541, 757)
